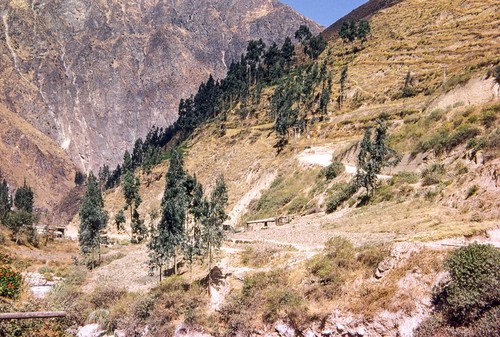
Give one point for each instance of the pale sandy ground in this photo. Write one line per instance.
(322, 156)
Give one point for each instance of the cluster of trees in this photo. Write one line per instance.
(190, 224)
(313, 45)
(145, 154)
(131, 186)
(259, 67)
(299, 99)
(18, 214)
(351, 31)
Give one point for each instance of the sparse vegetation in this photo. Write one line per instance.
(433, 175)
(269, 96)
(333, 170)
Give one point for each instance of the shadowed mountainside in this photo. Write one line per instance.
(96, 75)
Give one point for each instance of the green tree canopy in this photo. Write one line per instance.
(24, 198)
(169, 233)
(22, 222)
(303, 33)
(374, 155)
(288, 51)
(119, 220)
(5, 199)
(213, 233)
(79, 178)
(93, 219)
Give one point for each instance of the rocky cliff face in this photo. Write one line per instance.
(27, 154)
(95, 75)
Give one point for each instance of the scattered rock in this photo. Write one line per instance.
(361, 331)
(120, 333)
(284, 330)
(310, 333)
(184, 331)
(91, 330)
(327, 332)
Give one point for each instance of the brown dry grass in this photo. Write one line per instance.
(420, 37)
(401, 289)
(410, 220)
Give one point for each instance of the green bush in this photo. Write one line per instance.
(99, 316)
(474, 286)
(281, 302)
(339, 253)
(433, 175)
(490, 114)
(104, 298)
(344, 193)
(471, 191)
(461, 135)
(11, 282)
(297, 204)
(444, 140)
(333, 170)
(322, 268)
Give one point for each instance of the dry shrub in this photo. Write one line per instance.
(436, 326)
(370, 256)
(373, 298)
(258, 256)
(30, 327)
(105, 297)
(265, 297)
(129, 312)
(176, 300)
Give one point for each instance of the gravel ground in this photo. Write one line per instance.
(306, 233)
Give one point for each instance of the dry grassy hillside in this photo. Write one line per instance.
(412, 35)
(367, 266)
(29, 154)
(441, 44)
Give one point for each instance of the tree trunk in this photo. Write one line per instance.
(160, 272)
(209, 260)
(175, 263)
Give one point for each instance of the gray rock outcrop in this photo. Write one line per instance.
(95, 75)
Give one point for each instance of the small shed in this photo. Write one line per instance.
(266, 223)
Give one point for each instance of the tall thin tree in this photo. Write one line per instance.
(93, 219)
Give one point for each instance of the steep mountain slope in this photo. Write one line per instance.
(29, 154)
(439, 44)
(95, 75)
(365, 266)
(245, 151)
(363, 12)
